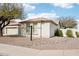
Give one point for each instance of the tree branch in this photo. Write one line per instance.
(5, 24)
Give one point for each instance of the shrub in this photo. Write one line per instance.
(69, 33)
(77, 34)
(58, 33)
(61, 34)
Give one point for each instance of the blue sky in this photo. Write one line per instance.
(51, 10)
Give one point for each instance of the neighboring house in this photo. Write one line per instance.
(41, 27)
(12, 29)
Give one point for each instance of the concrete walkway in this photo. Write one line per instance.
(10, 50)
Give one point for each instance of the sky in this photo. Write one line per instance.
(51, 10)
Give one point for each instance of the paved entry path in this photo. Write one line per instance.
(10, 50)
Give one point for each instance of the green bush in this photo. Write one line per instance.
(58, 33)
(77, 34)
(69, 33)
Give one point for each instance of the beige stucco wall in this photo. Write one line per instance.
(23, 29)
(41, 30)
(37, 30)
(53, 28)
(45, 32)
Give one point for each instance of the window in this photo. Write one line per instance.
(34, 28)
(28, 28)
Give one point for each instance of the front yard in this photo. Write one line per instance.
(45, 44)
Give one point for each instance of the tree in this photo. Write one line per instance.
(67, 22)
(9, 11)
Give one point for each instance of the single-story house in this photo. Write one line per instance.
(12, 29)
(41, 27)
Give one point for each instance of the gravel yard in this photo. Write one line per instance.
(44, 44)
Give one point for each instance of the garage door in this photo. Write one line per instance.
(12, 31)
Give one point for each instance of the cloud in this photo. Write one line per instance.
(44, 15)
(28, 7)
(64, 5)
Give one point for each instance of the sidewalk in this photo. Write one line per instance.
(16, 50)
(10, 50)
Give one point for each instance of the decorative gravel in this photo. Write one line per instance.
(43, 43)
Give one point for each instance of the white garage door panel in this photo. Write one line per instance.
(12, 31)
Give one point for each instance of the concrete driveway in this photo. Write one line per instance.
(10, 50)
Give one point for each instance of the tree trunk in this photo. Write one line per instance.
(1, 33)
